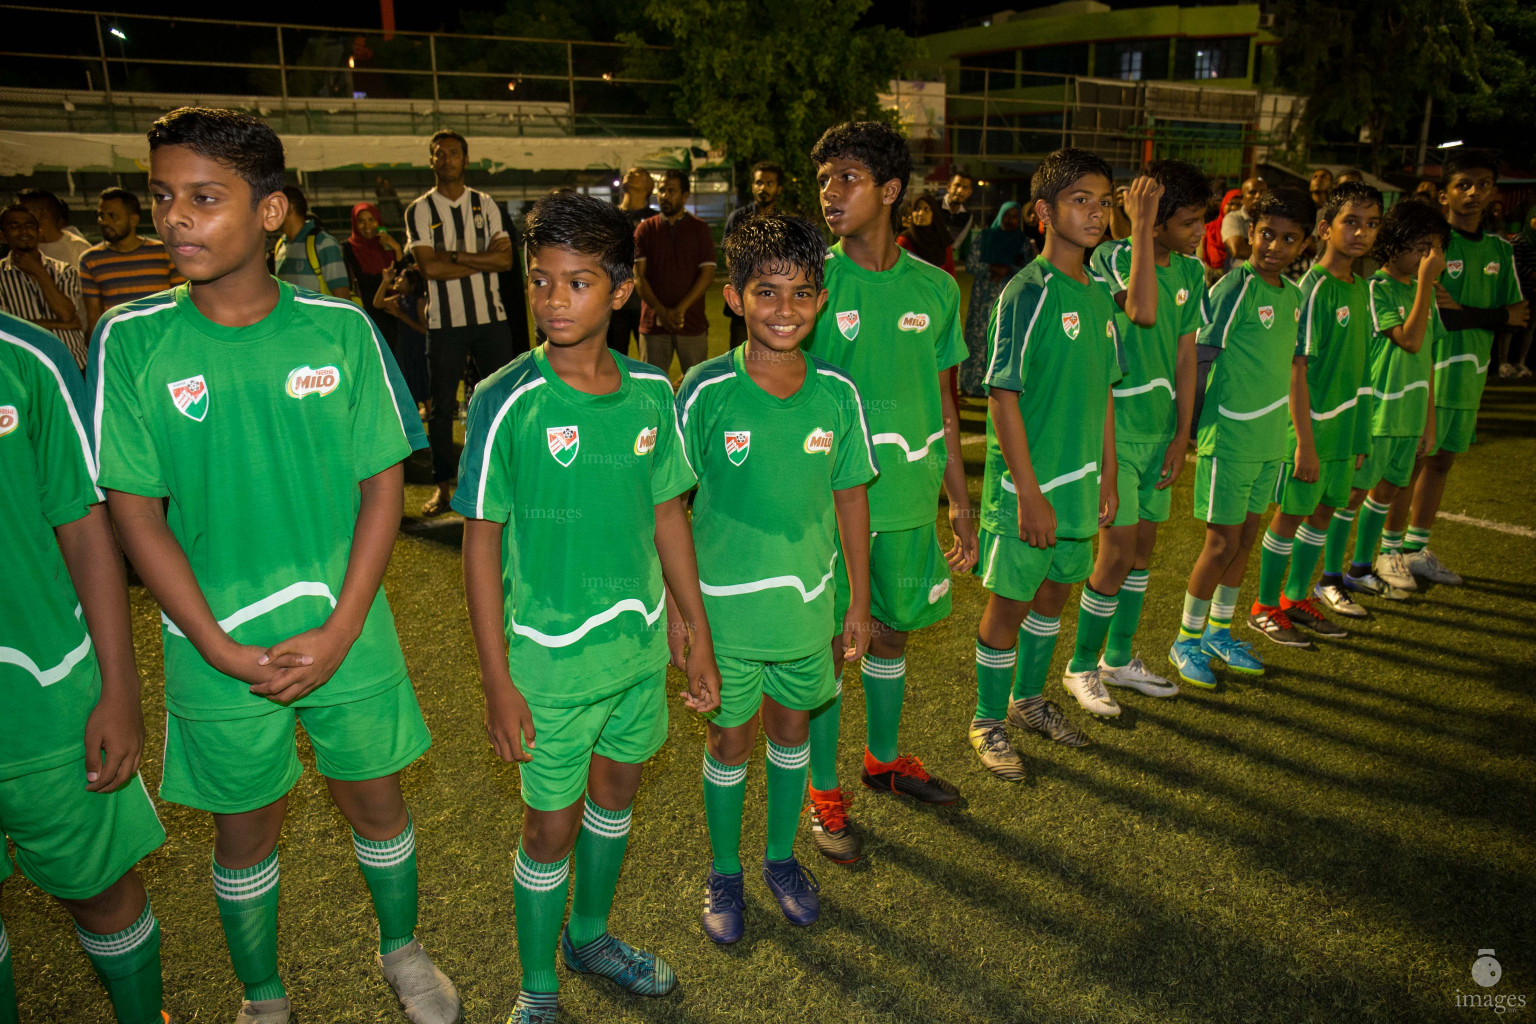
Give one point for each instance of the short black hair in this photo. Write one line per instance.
(1406, 225)
(776, 244)
(875, 144)
(967, 175)
(767, 167)
(123, 196)
(60, 208)
(1292, 204)
(17, 207)
(239, 141)
(1344, 193)
(679, 176)
(298, 202)
(1183, 183)
(1460, 159)
(447, 133)
(1059, 170)
(583, 224)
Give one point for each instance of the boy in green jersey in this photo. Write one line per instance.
(275, 422)
(571, 483)
(1249, 327)
(1330, 420)
(783, 455)
(892, 323)
(1405, 325)
(1479, 293)
(1050, 480)
(1154, 403)
(67, 674)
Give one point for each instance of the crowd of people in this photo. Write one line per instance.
(260, 512)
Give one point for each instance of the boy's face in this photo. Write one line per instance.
(1080, 213)
(571, 296)
(1181, 232)
(780, 309)
(1469, 192)
(204, 215)
(1275, 241)
(1322, 180)
(851, 199)
(1353, 229)
(1407, 264)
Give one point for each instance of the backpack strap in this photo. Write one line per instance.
(314, 263)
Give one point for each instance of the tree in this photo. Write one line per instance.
(1503, 115)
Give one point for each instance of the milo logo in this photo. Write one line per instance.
(1492, 269)
(818, 440)
(645, 440)
(306, 380)
(1181, 296)
(8, 419)
(913, 322)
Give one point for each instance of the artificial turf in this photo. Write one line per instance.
(1333, 842)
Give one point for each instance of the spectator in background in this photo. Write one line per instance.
(402, 294)
(1322, 181)
(1428, 189)
(957, 218)
(37, 287)
(926, 238)
(1524, 244)
(635, 204)
(1119, 222)
(124, 266)
(390, 210)
(674, 265)
(56, 239)
(1349, 174)
(369, 252)
(996, 256)
(1213, 251)
(1236, 221)
(460, 242)
(767, 183)
(306, 255)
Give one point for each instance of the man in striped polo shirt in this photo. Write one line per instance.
(36, 287)
(124, 266)
(462, 247)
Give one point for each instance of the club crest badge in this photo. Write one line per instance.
(1454, 267)
(818, 440)
(1342, 316)
(848, 323)
(563, 443)
(9, 418)
(1267, 316)
(1071, 323)
(306, 380)
(190, 397)
(913, 322)
(737, 444)
(645, 440)
(1181, 296)
(1492, 268)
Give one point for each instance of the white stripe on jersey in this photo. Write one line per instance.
(69, 403)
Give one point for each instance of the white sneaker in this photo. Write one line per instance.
(1506, 371)
(1522, 371)
(1392, 568)
(1136, 677)
(1089, 690)
(1425, 565)
(1337, 599)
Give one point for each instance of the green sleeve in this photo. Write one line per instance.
(126, 457)
(1219, 308)
(485, 465)
(950, 341)
(385, 424)
(1384, 311)
(55, 421)
(1315, 319)
(1508, 286)
(853, 450)
(671, 472)
(694, 426)
(1015, 321)
(1194, 283)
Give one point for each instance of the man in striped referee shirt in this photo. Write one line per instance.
(461, 244)
(36, 287)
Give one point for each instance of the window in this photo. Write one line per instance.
(1130, 65)
(1131, 60)
(1219, 57)
(983, 72)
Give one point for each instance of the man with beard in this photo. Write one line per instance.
(767, 183)
(957, 218)
(124, 266)
(36, 287)
(674, 265)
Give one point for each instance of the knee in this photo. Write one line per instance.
(731, 746)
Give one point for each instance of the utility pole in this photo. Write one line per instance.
(1418, 163)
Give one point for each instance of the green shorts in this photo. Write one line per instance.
(1010, 568)
(1227, 491)
(908, 580)
(1455, 429)
(74, 844)
(1390, 459)
(238, 765)
(804, 684)
(629, 727)
(1140, 468)
(1331, 490)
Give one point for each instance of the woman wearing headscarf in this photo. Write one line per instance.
(1213, 251)
(368, 251)
(997, 254)
(925, 236)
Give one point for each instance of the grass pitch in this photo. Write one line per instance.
(1332, 842)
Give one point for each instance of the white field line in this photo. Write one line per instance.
(1489, 524)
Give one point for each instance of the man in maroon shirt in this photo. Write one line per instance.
(674, 265)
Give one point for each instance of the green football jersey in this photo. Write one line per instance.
(576, 478)
(764, 524)
(49, 680)
(1399, 379)
(1335, 336)
(1145, 412)
(1479, 273)
(893, 332)
(1247, 396)
(1053, 341)
(259, 436)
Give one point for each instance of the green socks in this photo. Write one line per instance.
(1037, 642)
(538, 904)
(725, 793)
(8, 1012)
(1392, 540)
(994, 677)
(389, 868)
(1337, 543)
(1373, 516)
(1273, 561)
(247, 899)
(599, 855)
(885, 684)
(825, 723)
(787, 768)
(1122, 628)
(1192, 624)
(128, 964)
(1223, 607)
(1309, 545)
(1094, 612)
(1415, 540)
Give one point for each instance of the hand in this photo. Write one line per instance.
(1359, 460)
(677, 644)
(703, 678)
(1037, 519)
(114, 739)
(1307, 467)
(961, 557)
(1432, 266)
(508, 722)
(500, 243)
(1427, 441)
(675, 318)
(858, 625)
(319, 653)
(30, 261)
(389, 271)
(1109, 499)
(1519, 313)
(1443, 298)
(1173, 464)
(1141, 201)
(243, 662)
